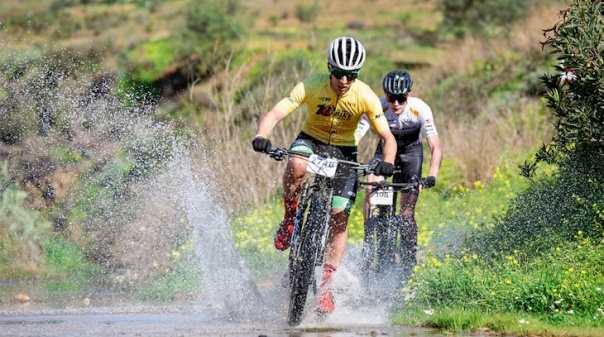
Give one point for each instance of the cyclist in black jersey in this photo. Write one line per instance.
(407, 117)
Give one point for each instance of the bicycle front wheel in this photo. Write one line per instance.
(304, 257)
(377, 251)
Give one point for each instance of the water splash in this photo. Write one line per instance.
(141, 200)
(153, 209)
(228, 285)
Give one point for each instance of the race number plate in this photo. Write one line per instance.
(381, 196)
(322, 165)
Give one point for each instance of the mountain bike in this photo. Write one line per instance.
(384, 248)
(311, 226)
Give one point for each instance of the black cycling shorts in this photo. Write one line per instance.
(408, 162)
(345, 181)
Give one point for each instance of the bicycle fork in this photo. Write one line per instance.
(302, 206)
(324, 199)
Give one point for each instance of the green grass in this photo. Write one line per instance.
(151, 58)
(518, 324)
(65, 258)
(546, 291)
(183, 282)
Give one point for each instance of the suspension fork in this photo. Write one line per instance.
(325, 193)
(302, 206)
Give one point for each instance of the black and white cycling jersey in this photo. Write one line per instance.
(416, 114)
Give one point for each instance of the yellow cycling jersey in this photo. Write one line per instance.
(330, 118)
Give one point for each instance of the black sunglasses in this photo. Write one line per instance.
(338, 73)
(401, 98)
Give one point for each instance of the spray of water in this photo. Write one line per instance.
(229, 288)
(165, 201)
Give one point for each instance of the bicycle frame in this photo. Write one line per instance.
(311, 227)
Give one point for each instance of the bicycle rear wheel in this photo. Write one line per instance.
(304, 256)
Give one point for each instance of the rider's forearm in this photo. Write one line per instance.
(388, 145)
(437, 158)
(266, 125)
(389, 150)
(269, 121)
(436, 155)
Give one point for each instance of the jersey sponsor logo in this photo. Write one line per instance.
(428, 121)
(345, 115)
(378, 116)
(348, 105)
(325, 99)
(325, 110)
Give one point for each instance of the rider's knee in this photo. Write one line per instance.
(296, 170)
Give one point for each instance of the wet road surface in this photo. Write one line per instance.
(261, 312)
(175, 321)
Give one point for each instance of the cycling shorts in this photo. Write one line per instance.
(407, 164)
(345, 182)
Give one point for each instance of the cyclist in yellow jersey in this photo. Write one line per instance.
(335, 103)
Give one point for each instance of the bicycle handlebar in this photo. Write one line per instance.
(401, 186)
(279, 154)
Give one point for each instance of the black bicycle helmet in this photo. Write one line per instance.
(397, 82)
(346, 53)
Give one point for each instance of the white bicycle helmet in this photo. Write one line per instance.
(346, 53)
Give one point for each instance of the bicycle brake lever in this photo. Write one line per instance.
(277, 156)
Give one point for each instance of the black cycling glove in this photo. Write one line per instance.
(261, 144)
(428, 182)
(384, 169)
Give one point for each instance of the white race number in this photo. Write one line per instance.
(322, 165)
(381, 196)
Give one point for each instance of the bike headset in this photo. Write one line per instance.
(397, 82)
(346, 53)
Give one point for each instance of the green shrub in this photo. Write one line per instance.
(276, 76)
(577, 104)
(573, 199)
(462, 17)
(468, 94)
(307, 12)
(552, 210)
(21, 231)
(212, 29)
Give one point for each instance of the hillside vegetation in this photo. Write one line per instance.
(109, 108)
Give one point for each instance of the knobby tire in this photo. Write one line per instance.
(377, 244)
(304, 257)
